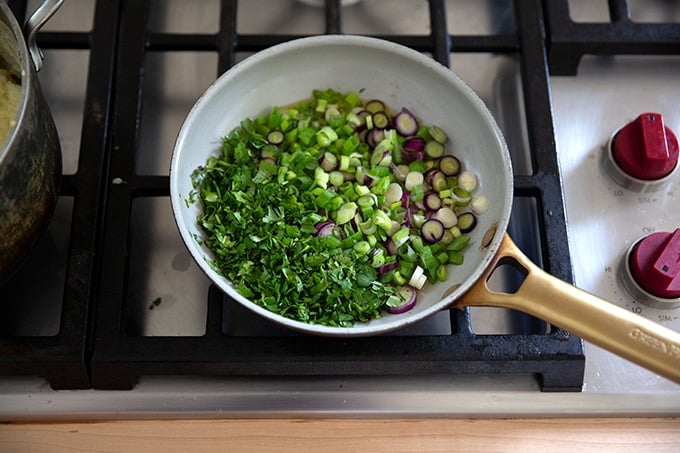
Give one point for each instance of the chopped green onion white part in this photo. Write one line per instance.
(418, 278)
(413, 180)
(480, 204)
(467, 181)
(393, 194)
(446, 216)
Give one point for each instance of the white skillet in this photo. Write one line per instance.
(400, 76)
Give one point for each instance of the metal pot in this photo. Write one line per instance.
(400, 76)
(30, 157)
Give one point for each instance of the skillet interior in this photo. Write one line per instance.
(399, 76)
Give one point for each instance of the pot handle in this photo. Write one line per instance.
(34, 23)
(602, 323)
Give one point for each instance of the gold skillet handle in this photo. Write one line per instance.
(602, 323)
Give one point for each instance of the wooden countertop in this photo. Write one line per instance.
(375, 435)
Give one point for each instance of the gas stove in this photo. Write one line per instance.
(110, 317)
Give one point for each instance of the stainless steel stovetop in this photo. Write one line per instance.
(166, 292)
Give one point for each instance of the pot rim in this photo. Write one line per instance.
(26, 75)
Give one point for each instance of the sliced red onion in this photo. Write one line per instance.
(380, 120)
(405, 199)
(411, 156)
(434, 149)
(375, 105)
(396, 171)
(430, 175)
(407, 218)
(323, 223)
(328, 161)
(449, 165)
(356, 220)
(385, 268)
(409, 296)
(325, 228)
(275, 137)
(382, 154)
(467, 222)
(432, 231)
(414, 144)
(391, 247)
(363, 178)
(405, 123)
(436, 179)
(375, 136)
(413, 148)
(358, 123)
(362, 113)
(446, 216)
(432, 201)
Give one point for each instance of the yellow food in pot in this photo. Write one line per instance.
(9, 101)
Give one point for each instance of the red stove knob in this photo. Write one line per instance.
(654, 267)
(644, 153)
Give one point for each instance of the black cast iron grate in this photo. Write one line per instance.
(91, 348)
(570, 40)
(118, 359)
(63, 358)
